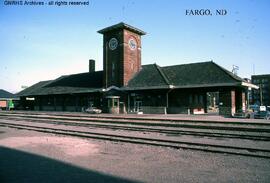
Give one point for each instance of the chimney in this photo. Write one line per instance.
(92, 65)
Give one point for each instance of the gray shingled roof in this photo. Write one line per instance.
(36, 88)
(182, 76)
(75, 83)
(149, 76)
(6, 95)
(152, 76)
(199, 73)
(82, 80)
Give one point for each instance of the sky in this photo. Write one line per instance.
(44, 42)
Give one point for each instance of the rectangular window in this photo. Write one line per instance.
(201, 99)
(196, 100)
(113, 71)
(132, 66)
(115, 103)
(110, 103)
(190, 99)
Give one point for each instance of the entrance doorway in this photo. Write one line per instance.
(137, 105)
(113, 104)
(212, 102)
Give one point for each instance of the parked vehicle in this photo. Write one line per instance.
(254, 108)
(93, 110)
(244, 114)
(262, 115)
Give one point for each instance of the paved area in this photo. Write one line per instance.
(27, 156)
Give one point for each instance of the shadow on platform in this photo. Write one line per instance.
(19, 167)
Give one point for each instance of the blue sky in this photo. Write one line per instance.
(44, 42)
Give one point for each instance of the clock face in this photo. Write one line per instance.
(132, 44)
(113, 43)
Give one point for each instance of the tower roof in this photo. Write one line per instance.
(122, 25)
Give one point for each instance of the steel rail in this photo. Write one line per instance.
(205, 125)
(244, 151)
(144, 129)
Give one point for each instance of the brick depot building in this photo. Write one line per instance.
(261, 96)
(126, 86)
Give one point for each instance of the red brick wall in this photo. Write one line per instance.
(241, 100)
(132, 58)
(111, 57)
(227, 99)
(233, 105)
(127, 62)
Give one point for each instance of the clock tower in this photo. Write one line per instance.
(121, 54)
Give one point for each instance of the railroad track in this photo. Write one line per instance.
(112, 117)
(234, 126)
(143, 128)
(251, 131)
(244, 151)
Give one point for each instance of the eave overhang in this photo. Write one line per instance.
(234, 84)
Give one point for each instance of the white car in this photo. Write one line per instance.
(93, 110)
